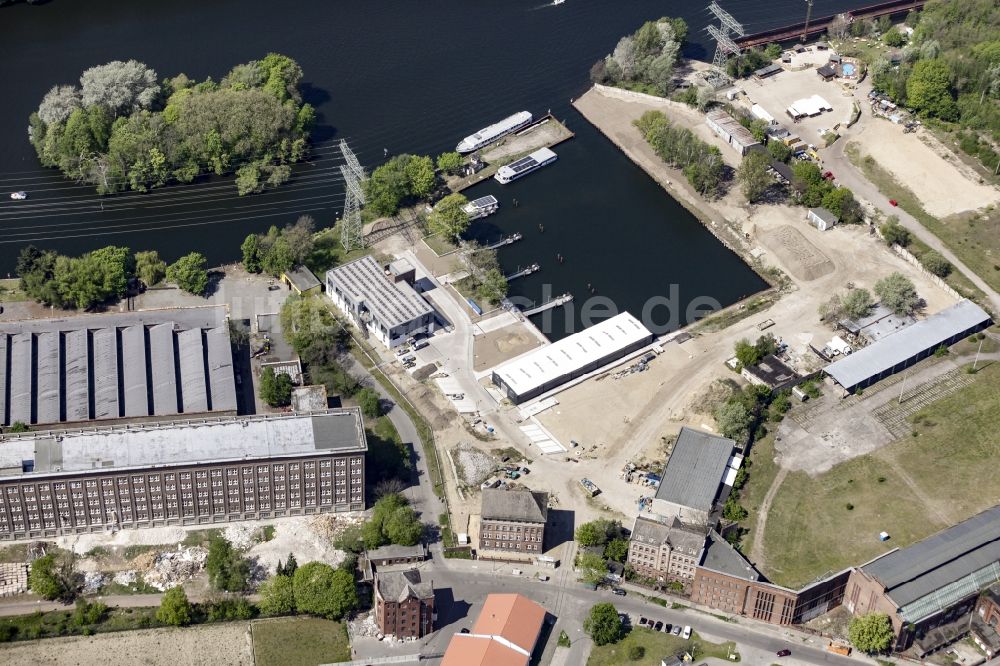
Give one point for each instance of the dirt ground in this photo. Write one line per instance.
(226, 644)
(501, 345)
(944, 185)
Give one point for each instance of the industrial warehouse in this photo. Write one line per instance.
(151, 363)
(209, 470)
(546, 368)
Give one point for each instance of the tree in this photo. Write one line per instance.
(592, 568)
(896, 292)
(275, 388)
(449, 162)
(227, 570)
(299, 237)
(935, 263)
(324, 591)
(893, 232)
(277, 596)
(189, 273)
(733, 419)
(779, 150)
(420, 176)
(251, 253)
(746, 353)
(449, 217)
(369, 401)
(752, 174)
(839, 26)
(150, 268)
(871, 633)
(857, 303)
(58, 104)
(928, 89)
(617, 550)
(603, 624)
(894, 38)
(598, 532)
(120, 87)
(492, 286)
(403, 527)
(44, 579)
(175, 609)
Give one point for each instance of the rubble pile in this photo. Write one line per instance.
(241, 536)
(474, 465)
(172, 568)
(93, 581)
(329, 526)
(364, 625)
(126, 578)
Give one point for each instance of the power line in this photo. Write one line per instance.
(351, 234)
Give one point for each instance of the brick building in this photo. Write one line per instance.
(512, 522)
(985, 623)
(393, 554)
(404, 604)
(664, 551)
(197, 471)
(929, 589)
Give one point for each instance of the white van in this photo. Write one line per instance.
(687, 632)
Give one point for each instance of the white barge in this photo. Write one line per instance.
(481, 207)
(525, 165)
(488, 135)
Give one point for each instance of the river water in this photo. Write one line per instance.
(399, 75)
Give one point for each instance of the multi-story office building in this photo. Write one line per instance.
(404, 604)
(664, 551)
(513, 521)
(198, 471)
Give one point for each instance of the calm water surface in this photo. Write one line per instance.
(384, 74)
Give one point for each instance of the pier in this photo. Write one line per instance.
(523, 272)
(820, 24)
(506, 240)
(543, 133)
(548, 305)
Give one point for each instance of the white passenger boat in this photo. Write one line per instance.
(488, 135)
(481, 207)
(525, 165)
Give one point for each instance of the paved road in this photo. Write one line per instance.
(849, 176)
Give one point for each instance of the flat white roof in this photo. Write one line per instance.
(563, 357)
(165, 444)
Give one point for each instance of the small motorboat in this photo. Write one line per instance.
(558, 2)
(18, 196)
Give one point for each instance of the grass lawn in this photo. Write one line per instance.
(299, 641)
(60, 623)
(952, 460)
(440, 245)
(656, 645)
(973, 237)
(761, 474)
(10, 290)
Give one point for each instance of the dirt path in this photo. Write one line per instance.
(757, 538)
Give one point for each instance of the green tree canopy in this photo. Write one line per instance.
(44, 579)
(598, 532)
(894, 232)
(403, 527)
(603, 624)
(227, 570)
(449, 217)
(150, 268)
(277, 596)
(492, 286)
(752, 174)
(928, 89)
(392, 521)
(175, 609)
(871, 633)
(275, 388)
(617, 550)
(449, 162)
(592, 567)
(857, 303)
(251, 253)
(935, 263)
(896, 292)
(402, 177)
(733, 419)
(324, 591)
(189, 273)
(369, 401)
(314, 333)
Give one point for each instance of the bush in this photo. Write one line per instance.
(935, 263)
(277, 596)
(871, 633)
(189, 273)
(893, 232)
(324, 591)
(87, 613)
(52, 580)
(175, 609)
(275, 388)
(369, 402)
(227, 570)
(636, 652)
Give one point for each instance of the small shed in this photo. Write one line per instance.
(822, 219)
(765, 72)
(835, 58)
(402, 270)
(827, 72)
(783, 170)
(821, 46)
(302, 281)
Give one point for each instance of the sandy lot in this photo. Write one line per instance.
(223, 644)
(944, 186)
(501, 345)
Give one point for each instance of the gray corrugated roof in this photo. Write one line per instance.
(400, 585)
(391, 304)
(105, 373)
(20, 378)
(47, 391)
(824, 214)
(194, 391)
(302, 278)
(208, 316)
(514, 505)
(915, 571)
(719, 556)
(3, 378)
(695, 470)
(164, 370)
(655, 533)
(394, 550)
(134, 367)
(893, 350)
(77, 376)
(220, 370)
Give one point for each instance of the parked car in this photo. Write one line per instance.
(658, 626)
(618, 591)
(667, 628)
(687, 632)
(18, 196)
(676, 630)
(464, 630)
(643, 621)
(783, 653)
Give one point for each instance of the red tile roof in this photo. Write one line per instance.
(505, 634)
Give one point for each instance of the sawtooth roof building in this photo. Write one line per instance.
(697, 478)
(928, 589)
(901, 349)
(541, 370)
(114, 366)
